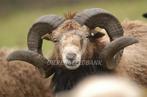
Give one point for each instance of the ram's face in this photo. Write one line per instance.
(73, 41)
(72, 45)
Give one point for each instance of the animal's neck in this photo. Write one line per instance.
(64, 79)
(67, 79)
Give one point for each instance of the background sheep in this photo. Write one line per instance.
(133, 63)
(20, 79)
(69, 35)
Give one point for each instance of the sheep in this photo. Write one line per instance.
(80, 50)
(133, 63)
(20, 79)
(104, 86)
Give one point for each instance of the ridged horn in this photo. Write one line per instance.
(33, 58)
(96, 17)
(45, 24)
(114, 50)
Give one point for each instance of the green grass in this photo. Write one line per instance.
(14, 28)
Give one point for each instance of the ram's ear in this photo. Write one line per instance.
(46, 37)
(98, 35)
(94, 34)
(49, 37)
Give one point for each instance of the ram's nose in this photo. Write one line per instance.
(71, 56)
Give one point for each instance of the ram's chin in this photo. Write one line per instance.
(72, 66)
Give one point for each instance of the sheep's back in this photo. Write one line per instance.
(134, 60)
(20, 79)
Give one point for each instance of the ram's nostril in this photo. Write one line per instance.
(71, 56)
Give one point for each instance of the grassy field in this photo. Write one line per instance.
(14, 28)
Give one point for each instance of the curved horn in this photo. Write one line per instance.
(45, 24)
(33, 58)
(97, 17)
(110, 52)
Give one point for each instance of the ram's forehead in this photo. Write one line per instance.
(71, 39)
(71, 36)
(70, 26)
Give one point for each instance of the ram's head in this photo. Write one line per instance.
(74, 39)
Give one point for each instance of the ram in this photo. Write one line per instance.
(80, 50)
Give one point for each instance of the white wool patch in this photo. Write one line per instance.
(106, 87)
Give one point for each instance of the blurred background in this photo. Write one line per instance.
(17, 16)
